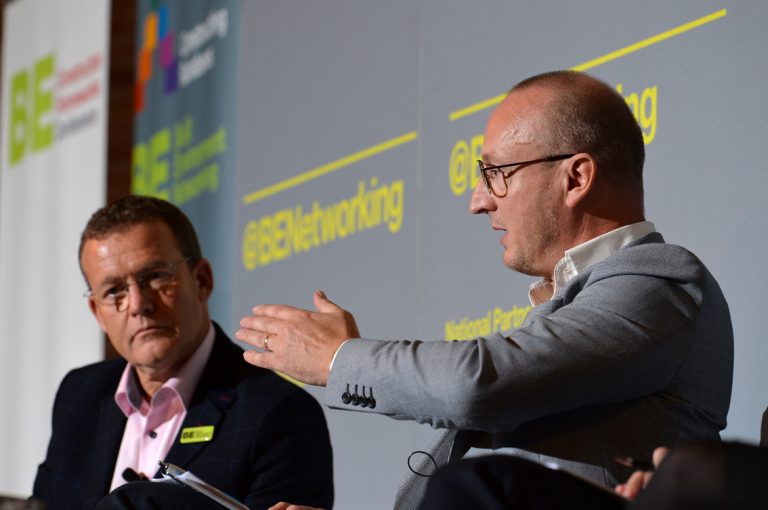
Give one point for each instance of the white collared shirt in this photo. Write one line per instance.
(580, 257)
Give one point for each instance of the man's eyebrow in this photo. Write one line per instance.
(156, 264)
(150, 266)
(110, 280)
(492, 158)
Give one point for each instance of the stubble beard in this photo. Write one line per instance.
(531, 258)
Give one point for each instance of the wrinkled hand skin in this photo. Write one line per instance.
(301, 342)
(639, 479)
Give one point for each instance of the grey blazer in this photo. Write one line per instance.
(635, 352)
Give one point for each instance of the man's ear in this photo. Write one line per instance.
(581, 178)
(203, 275)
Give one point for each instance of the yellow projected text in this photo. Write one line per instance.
(494, 320)
(295, 230)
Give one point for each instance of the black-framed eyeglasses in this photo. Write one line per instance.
(162, 278)
(496, 180)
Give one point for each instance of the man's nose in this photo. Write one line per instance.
(140, 299)
(481, 201)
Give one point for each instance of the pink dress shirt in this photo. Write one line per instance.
(153, 425)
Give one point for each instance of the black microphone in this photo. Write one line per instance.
(130, 475)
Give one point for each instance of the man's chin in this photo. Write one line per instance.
(154, 334)
(511, 261)
(152, 344)
(518, 265)
(153, 354)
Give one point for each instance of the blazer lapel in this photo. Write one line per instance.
(108, 430)
(214, 394)
(207, 413)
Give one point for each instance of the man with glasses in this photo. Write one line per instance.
(180, 392)
(629, 344)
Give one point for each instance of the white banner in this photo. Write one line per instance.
(52, 178)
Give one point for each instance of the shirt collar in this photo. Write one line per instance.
(128, 395)
(580, 257)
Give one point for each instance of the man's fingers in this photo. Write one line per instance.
(323, 304)
(289, 506)
(659, 454)
(634, 485)
(301, 343)
(260, 323)
(254, 330)
(260, 359)
(276, 311)
(647, 475)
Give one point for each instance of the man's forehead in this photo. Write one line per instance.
(145, 233)
(509, 130)
(130, 249)
(521, 131)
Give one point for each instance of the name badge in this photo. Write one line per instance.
(196, 434)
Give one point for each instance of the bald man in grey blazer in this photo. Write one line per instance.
(629, 344)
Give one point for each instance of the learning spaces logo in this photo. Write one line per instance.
(178, 67)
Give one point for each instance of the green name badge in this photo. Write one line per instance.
(196, 434)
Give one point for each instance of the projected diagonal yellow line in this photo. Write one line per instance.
(488, 103)
(320, 171)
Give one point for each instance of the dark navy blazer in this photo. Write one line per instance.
(270, 438)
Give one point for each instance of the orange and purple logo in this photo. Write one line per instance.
(156, 33)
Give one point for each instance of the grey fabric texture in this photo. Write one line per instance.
(635, 352)
(411, 490)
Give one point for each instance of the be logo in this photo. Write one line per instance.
(29, 130)
(196, 434)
